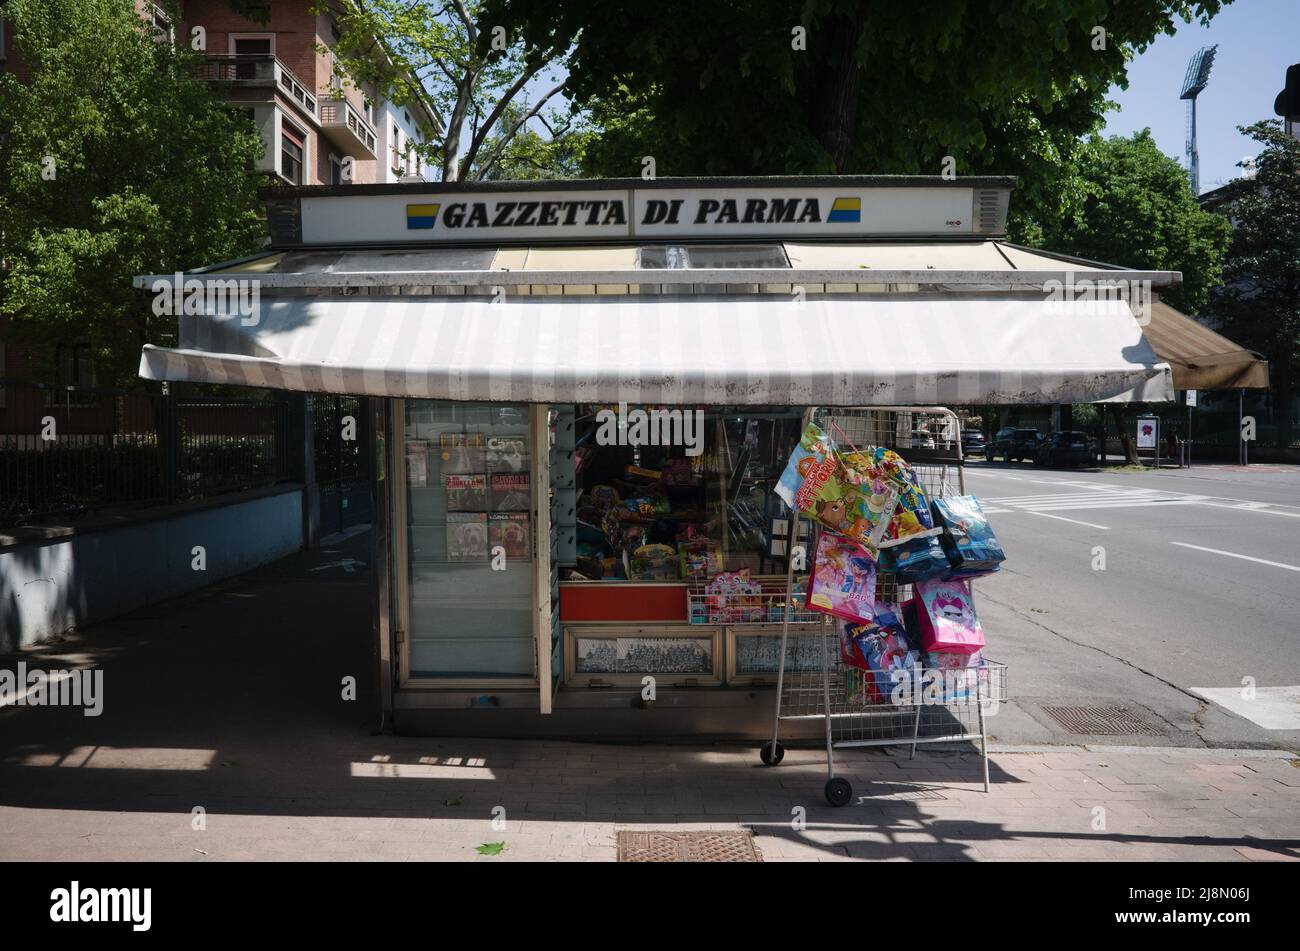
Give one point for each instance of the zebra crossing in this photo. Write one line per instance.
(1085, 496)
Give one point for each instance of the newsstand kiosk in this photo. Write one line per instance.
(585, 393)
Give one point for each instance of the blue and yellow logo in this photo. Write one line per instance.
(845, 210)
(421, 217)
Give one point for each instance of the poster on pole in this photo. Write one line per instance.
(1191, 397)
(1148, 432)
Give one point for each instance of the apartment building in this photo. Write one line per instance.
(318, 126)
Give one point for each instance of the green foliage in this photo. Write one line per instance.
(483, 86)
(1001, 86)
(1258, 306)
(1138, 210)
(116, 164)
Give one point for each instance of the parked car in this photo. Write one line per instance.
(1069, 448)
(922, 439)
(1013, 445)
(973, 443)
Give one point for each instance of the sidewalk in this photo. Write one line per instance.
(230, 702)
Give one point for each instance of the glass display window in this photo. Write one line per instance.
(674, 493)
(466, 514)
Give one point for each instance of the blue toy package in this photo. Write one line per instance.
(884, 645)
(967, 539)
(918, 559)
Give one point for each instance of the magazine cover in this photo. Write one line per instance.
(467, 536)
(506, 454)
(510, 531)
(417, 463)
(460, 453)
(466, 493)
(510, 491)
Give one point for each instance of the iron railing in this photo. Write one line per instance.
(68, 452)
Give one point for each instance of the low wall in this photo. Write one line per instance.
(55, 579)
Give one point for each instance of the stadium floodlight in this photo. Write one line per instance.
(1197, 78)
(1198, 72)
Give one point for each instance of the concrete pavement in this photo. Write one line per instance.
(226, 735)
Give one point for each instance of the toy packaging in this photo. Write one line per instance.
(842, 582)
(654, 563)
(945, 614)
(887, 653)
(967, 538)
(816, 483)
(910, 518)
(732, 598)
(960, 675)
(917, 559)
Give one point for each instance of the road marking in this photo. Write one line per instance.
(1231, 554)
(1273, 708)
(1062, 518)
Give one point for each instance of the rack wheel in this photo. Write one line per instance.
(838, 791)
(771, 753)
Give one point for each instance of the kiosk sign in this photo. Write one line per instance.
(461, 214)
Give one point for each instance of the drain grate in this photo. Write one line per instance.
(1101, 721)
(687, 847)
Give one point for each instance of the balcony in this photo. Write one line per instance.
(347, 129)
(254, 70)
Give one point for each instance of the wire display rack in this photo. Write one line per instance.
(866, 708)
(760, 602)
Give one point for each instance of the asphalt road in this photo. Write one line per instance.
(1139, 589)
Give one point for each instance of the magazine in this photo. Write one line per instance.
(506, 454)
(510, 492)
(460, 453)
(510, 531)
(417, 463)
(466, 493)
(467, 536)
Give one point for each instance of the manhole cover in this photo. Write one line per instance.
(687, 847)
(1101, 721)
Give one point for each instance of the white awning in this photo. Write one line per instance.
(677, 349)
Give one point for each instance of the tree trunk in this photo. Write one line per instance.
(838, 83)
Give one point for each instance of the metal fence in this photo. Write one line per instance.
(70, 452)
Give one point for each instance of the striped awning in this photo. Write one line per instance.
(688, 349)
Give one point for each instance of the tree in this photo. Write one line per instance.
(1259, 306)
(115, 163)
(1138, 210)
(843, 86)
(484, 88)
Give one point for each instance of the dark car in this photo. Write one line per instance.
(1070, 448)
(972, 443)
(1012, 445)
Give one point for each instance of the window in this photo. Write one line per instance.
(397, 147)
(76, 369)
(336, 75)
(468, 541)
(248, 50)
(291, 153)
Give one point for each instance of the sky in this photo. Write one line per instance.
(1258, 40)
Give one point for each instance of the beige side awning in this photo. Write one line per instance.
(1200, 358)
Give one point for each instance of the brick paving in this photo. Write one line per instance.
(229, 702)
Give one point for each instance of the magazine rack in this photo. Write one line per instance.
(936, 706)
